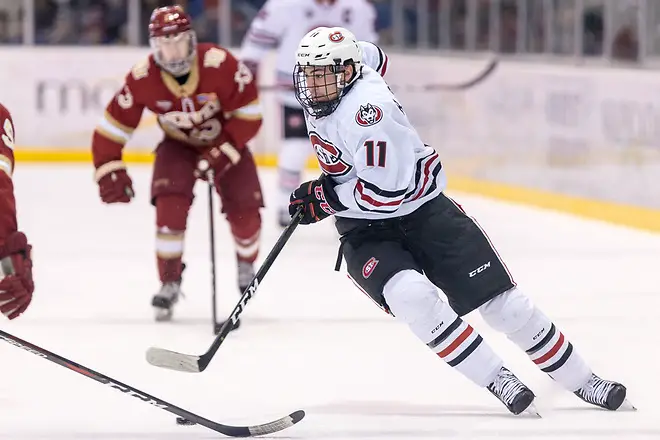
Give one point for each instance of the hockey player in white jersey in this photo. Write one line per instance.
(281, 24)
(403, 238)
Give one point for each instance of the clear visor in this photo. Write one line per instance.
(174, 52)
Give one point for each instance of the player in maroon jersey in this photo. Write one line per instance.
(208, 108)
(15, 289)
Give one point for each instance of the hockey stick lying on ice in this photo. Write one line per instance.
(191, 363)
(185, 417)
(492, 65)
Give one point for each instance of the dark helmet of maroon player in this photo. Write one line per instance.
(172, 39)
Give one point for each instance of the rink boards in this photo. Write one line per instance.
(575, 138)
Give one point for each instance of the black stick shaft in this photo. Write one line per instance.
(205, 359)
(126, 389)
(214, 298)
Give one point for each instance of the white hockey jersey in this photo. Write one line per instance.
(281, 24)
(369, 147)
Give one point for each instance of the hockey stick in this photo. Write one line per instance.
(186, 417)
(214, 289)
(491, 66)
(173, 360)
(485, 73)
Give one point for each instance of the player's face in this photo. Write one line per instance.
(173, 51)
(323, 83)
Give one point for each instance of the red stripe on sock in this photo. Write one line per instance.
(458, 341)
(553, 351)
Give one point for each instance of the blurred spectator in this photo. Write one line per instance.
(507, 26)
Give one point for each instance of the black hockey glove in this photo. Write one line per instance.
(318, 198)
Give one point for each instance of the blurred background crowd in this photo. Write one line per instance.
(622, 30)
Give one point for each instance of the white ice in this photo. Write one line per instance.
(309, 339)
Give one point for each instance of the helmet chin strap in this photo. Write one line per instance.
(339, 78)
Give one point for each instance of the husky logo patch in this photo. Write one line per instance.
(368, 115)
(336, 37)
(329, 156)
(369, 267)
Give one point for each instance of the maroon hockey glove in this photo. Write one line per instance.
(318, 198)
(115, 186)
(16, 289)
(218, 159)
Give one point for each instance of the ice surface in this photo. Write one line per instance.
(310, 340)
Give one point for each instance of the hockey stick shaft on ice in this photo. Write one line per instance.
(173, 360)
(232, 431)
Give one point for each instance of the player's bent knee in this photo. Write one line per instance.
(172, 211)
(413, 299)
(244, 222)
(508, 312)
(409, 294)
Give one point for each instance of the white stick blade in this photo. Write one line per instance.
(172, 360)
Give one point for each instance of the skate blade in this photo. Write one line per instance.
(627, 406)
(162, 315)
(531, 410)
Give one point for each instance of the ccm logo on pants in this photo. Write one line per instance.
(479, 269)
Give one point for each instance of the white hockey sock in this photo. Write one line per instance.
(414, 300)
(552, 352)
(524, 324)
(291, 161)
(288, 181)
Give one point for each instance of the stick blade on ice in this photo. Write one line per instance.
(160, 357)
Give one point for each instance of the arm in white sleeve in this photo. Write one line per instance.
(374, 57)
(265, 31)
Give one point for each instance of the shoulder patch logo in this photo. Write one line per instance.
(369, 267)
(368, 115)
(329, 156)
(336, 37)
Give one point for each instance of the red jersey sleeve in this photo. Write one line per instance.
(238, 95)
(122, 116)
(7, 201)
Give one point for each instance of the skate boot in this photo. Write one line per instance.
(163, 302)
(245, 276)
(603, 393)
(512, 393)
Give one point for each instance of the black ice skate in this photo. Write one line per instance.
(513, 393)
(245, 276)
(168, 295)
(163, 302)
(603, 393)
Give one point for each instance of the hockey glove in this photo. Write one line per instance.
(219, 159)
(115, 186)
(318, 198)
(16, 289)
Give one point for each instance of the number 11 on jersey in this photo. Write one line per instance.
(376, 149)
